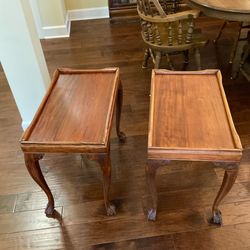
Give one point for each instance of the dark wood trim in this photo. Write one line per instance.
(122, 11)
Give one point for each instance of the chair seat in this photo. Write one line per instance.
(245, 60)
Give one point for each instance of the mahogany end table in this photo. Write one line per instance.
(190, 120)
(75, 116)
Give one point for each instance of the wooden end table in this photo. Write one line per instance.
(75, 116)
(190, 120)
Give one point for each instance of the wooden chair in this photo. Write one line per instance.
(172, 6)
(165, 32)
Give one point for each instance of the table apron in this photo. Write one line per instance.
(81, 149)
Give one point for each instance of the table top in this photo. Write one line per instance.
(76, 112)
(232, 10)
(190, 118)
(226, 5)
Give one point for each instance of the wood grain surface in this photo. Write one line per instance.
(189, 115)
(78, 109)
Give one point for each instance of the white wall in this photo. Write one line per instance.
(53, 17)
(22, 57)
(53, 12)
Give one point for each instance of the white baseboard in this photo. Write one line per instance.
(57, 31)
(87, 14)
(73, 15)
(25, 124)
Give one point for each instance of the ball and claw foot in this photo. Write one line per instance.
(50, 210)
(111, 210)
(152, 214)
(217, 218)
(122, 137)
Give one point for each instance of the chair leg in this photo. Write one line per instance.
(150, 175)
(186, 56)
(146, 57)
(186, 60)
(235, 45)
(220, 32)
(245, 54)
(119, 99)
(198, 58)
(169, 62)
(157, 59)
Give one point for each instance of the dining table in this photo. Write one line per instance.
(230, 10)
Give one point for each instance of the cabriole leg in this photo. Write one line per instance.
(151, 169)
(157, 59)
(231, 172)
(120, 134)
(150, 174)
(105, 164)
(146, 57)
(33, 166)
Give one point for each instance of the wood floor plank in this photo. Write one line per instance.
(150, 243)
(230, 237)
(234, 213)
(168, 200)
(92, 233)
(74, 237)
(46, 239)
(7, 203)
(24, 221)
(73, 190)
(138, 227)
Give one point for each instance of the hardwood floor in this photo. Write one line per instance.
(186, 190)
